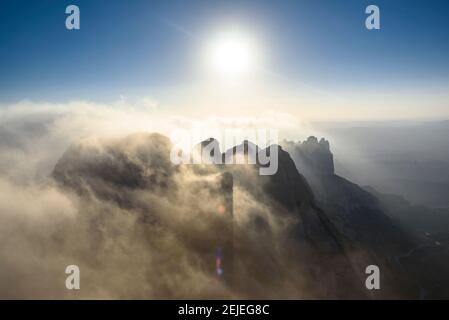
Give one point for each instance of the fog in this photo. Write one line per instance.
(139, 227)
(410, 159)
(116, 207)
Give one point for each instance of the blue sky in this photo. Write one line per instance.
(137, 48)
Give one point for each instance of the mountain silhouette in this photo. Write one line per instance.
(303, 232)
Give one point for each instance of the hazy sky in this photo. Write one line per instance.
(315, 59)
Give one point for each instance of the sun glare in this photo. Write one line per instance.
(232, 56)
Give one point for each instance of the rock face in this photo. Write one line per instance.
(284, 245)
(287, 188)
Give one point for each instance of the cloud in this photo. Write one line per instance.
(88, 184)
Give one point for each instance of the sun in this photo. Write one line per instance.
(232, 56)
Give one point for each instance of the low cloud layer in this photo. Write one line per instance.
(137, 226)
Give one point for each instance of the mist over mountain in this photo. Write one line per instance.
(224, 150)
(283, 244)
(139, 226)
(328, 231)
